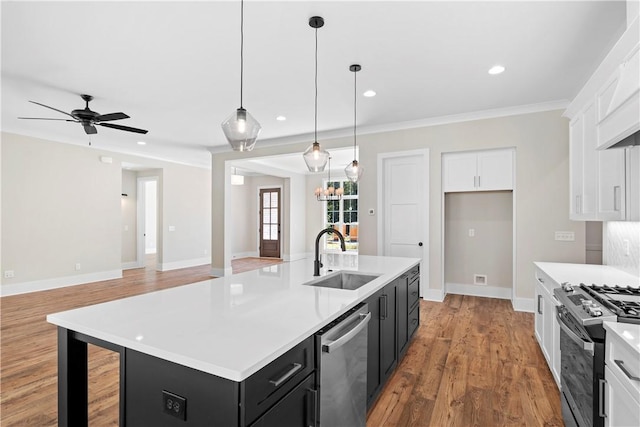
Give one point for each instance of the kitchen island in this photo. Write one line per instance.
(210, 341)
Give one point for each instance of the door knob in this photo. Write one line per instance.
(419, 243)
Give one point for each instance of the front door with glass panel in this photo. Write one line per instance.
(270, 222)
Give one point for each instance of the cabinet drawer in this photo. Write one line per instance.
(264, 388)
(298, 408)
(414, 273)
(414, 319)
(623, 362)
(413, 293)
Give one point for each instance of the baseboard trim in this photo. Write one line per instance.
(478, 291)
(524, 304)
(130, 265)
(175, 265)
(57, 282)
(433, 295)
(253, 254)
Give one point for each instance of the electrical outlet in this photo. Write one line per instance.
(78, 266)
(8, 274)
(479, 279)
(172, 228)
(565, 236)
(175, 405)
(472, 232)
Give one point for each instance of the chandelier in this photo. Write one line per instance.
(329, 193)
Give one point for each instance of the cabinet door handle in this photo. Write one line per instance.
(620, 364)
(539, 306)
(579, 204)
(479, 181)
(601, 408)
(312, 407)
(291, 372)
(475, 179)
(384, 313)
(616, 198)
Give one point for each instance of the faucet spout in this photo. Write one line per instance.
(316, 263)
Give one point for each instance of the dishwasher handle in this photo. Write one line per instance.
(336, 344)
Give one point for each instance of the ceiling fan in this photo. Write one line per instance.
(89, 119)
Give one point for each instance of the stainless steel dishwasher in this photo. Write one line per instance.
(343, 369)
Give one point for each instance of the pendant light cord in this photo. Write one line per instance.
(355, 108)
(315, 123)
(241, 48)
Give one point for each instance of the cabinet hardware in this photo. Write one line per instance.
(312, 405)
(296, 367)
(616, 198)
(479, 181)
(601, 384)
(539, 306)
(383, 315)
(540, 279)
(620, 364)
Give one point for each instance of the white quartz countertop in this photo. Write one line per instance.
(234, 325)
(629, 334)
(588, 274)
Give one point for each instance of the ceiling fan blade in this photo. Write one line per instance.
(44, 118)
(111, 116)
(90, 129)
(51, 108)
(119, 127)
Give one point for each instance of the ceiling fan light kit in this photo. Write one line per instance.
(315, 156)
(353, 169)
(241, 129)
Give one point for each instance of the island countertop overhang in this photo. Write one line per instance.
(234, 325)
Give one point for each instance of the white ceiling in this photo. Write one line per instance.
(174, 66)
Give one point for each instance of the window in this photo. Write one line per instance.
(343, 216)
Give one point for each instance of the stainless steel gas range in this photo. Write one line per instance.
(582, 311)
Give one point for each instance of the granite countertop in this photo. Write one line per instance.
(234, 325)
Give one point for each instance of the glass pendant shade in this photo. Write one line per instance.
(241, 130)
(315, 157)
(353, 171)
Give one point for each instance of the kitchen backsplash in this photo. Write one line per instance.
(617, 233)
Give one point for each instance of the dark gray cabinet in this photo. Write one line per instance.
(394, 320)
(283, 393)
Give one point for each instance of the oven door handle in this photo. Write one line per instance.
(586, 345)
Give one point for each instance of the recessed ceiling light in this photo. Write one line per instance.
(370, 93)
(142, 143)
(281, 118)
(496, 69)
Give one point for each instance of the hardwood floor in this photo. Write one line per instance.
(474, 361)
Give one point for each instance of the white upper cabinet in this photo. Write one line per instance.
(605, 184)
(584, 166)
(489, 170)
(611, 185)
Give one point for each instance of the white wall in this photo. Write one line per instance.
(62, 206)
(490, 251)
(542, 180)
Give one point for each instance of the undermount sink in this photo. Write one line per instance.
(343, 280)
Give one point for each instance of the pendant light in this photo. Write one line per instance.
(353, 169)
(240, 128)
(329, 193)
(315, 157)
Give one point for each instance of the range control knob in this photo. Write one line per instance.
(594, 311)
(567, 287)
(586, 303)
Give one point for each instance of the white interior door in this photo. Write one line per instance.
(405, 220)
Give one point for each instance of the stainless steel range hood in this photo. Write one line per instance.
(631, 140)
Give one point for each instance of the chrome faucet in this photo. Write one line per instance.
(316, 263)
